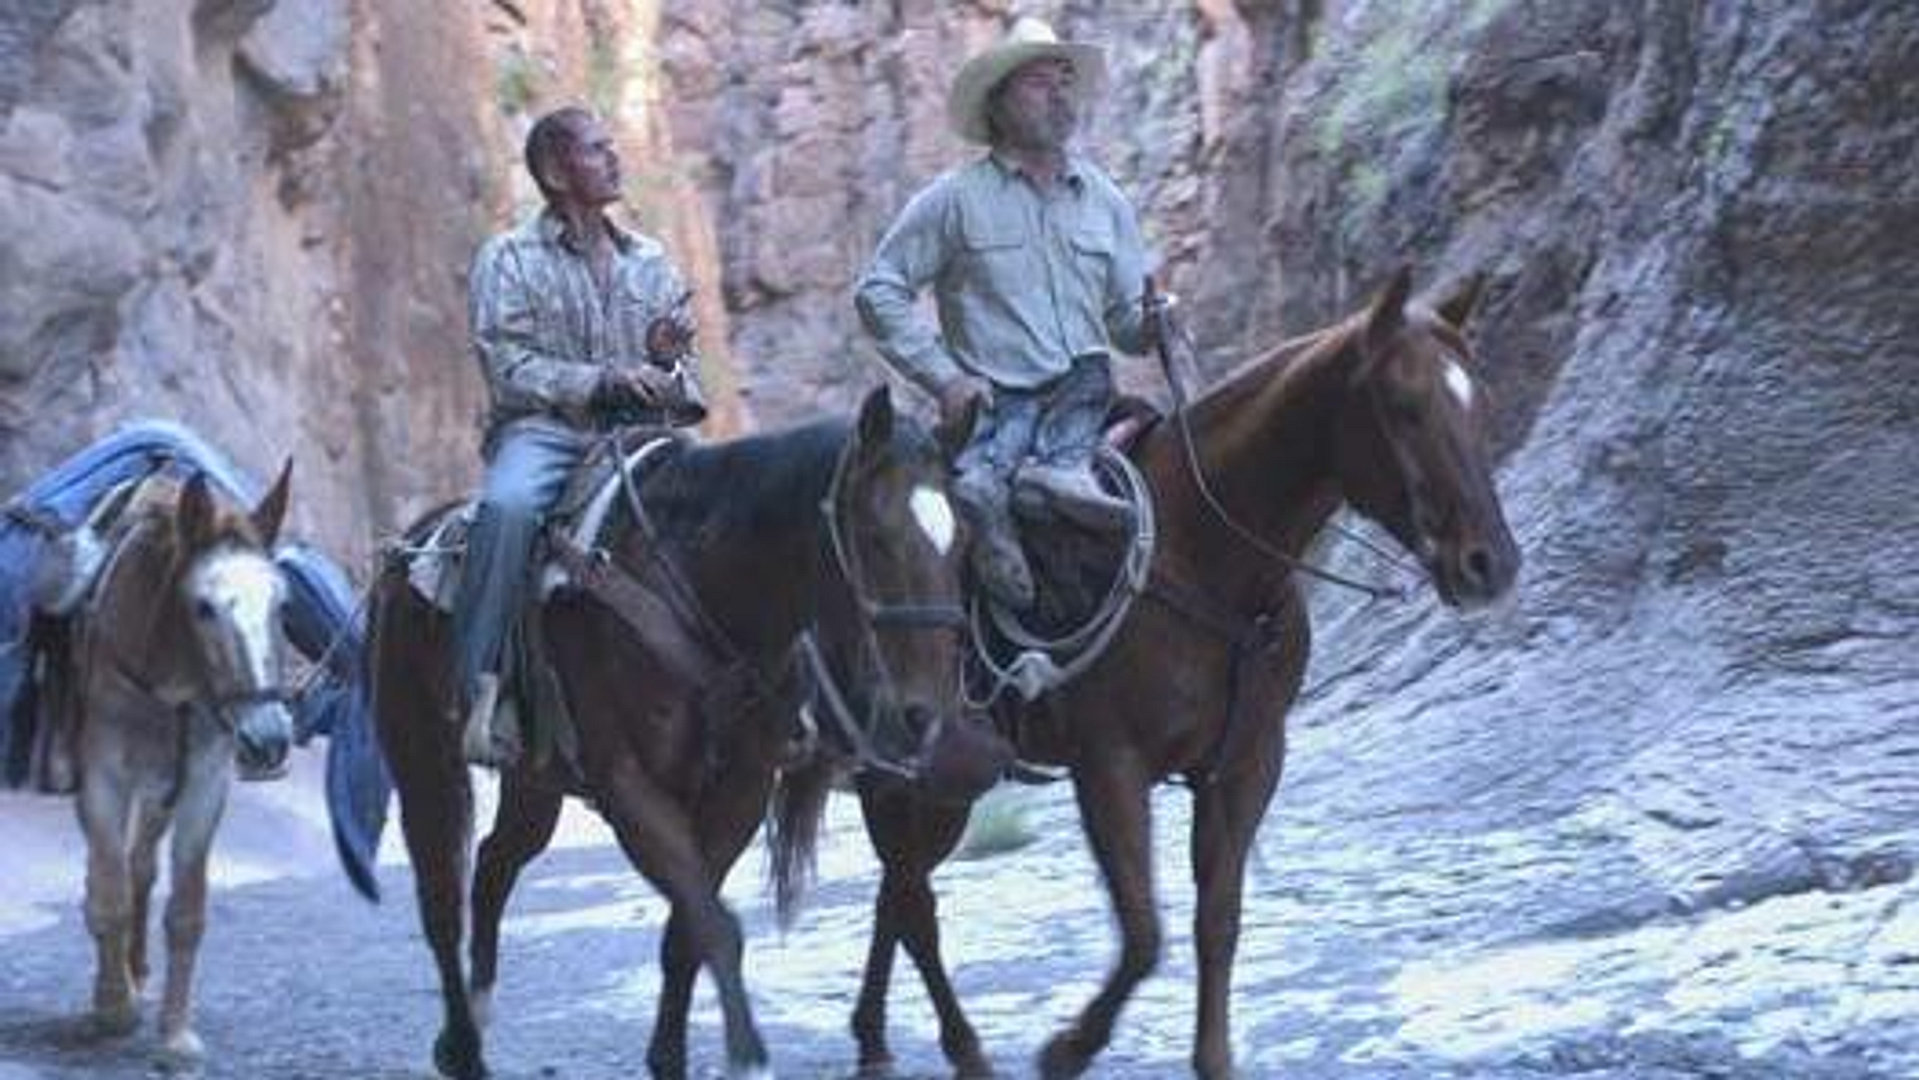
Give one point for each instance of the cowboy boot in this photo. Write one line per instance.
(998, 562)
(1072, 493)
(1000, 566)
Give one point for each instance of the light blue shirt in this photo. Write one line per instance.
(1024, 279)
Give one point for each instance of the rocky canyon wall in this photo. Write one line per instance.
(255, 217)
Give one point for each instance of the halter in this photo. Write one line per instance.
(874, 617)
(217, 705)
(628, 598)
(1168, 328)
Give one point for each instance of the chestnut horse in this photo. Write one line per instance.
(178, 662)
(841, 530)
(1378, 412)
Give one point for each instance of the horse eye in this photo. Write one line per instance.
(204, 610)
(1405, 412)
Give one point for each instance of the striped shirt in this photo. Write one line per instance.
(543, 330)
(1024, 280)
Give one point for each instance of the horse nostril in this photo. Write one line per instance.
(1479, 566)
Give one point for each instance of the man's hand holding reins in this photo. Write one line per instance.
(642, 386)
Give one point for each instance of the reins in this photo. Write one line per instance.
(874, 615)
(1167, 328)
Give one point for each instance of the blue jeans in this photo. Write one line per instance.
(1057, 423)
(525, 477)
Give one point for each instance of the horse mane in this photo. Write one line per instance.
(1293, 358)
(1296, 357)
(770, 482)
(158, 501)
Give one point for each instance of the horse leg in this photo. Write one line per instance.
(420, 739)
(436, 817)
(663, 843)
(911, 837)
(522, 828)
(203, 800)
(105, 815)
(1115, 808)
(725, 827)
(1226, 816)
(150, 826)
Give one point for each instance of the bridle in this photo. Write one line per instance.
(1168, 329)
(874, 617)
(203, 700)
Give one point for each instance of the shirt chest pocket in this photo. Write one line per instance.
(991, 241)
(988, 239)
(1093, 249)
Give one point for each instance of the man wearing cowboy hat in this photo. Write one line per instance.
(1036, 264)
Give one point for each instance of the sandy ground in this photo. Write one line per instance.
(1372, 949)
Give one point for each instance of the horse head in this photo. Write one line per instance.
(232, 593)
(900, 548)
(1411, 444)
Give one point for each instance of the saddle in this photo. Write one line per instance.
(70, 564)
(1085, 581)
(433, 562)
(566, 553)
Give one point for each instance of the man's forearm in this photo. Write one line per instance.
(522, 378)
(904, 340)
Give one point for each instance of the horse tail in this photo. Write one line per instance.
(793, 830)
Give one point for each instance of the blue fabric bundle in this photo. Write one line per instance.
(320, 609)
(63, 498)
(327, 624)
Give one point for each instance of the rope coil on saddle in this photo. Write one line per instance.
(1043, 663)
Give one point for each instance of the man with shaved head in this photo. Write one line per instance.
(580, 325)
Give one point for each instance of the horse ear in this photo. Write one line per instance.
(272, 510)
(954, 434)
(1389, 311)
(193, 520)
(1459, 307)
(876, 417)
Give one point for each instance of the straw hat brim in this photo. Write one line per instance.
(966, 101)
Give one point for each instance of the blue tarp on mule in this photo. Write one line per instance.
(63, 498)
(320, 605)
(326, 624)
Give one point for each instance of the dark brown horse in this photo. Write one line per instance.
(178, 663)
(1378, 412)
(840, 530)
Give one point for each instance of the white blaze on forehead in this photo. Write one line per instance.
(1460, 383)
(934, 516)
(245, 588)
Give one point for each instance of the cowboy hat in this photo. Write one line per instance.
(1030, 39)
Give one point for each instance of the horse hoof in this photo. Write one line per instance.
(113, 1021)
(875, 1068)
(1062, 1060)
(458, 1059)
(182, 1050)
(967, 1060)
